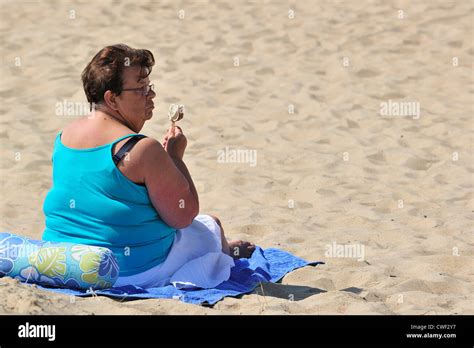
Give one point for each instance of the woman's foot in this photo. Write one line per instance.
(236, 248)
(241, 249)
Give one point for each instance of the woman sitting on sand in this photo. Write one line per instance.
(115, 188)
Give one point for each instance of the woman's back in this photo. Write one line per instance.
(84, 134)
(93, 202)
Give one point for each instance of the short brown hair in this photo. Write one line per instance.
(104, 71)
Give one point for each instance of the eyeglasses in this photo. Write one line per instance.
(145, 90)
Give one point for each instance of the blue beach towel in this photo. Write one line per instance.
(269, 265)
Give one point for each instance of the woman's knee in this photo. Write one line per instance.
(216, 219)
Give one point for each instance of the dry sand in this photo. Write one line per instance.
(330, 170)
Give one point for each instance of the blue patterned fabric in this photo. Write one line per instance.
(269, 265)
(68, 265)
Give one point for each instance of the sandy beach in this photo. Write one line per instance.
(353, 120)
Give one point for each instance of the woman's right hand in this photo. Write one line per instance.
(175, 142)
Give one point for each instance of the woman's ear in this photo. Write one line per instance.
(110, 100)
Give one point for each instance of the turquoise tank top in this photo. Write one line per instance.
(91, 202)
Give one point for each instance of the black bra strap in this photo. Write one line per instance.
(127, 147)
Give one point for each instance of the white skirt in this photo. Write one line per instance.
(195, 260)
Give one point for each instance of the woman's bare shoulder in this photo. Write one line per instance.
(149, 147)
(81, 134)
(144, 159)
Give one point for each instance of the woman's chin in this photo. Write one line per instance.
(149, 114)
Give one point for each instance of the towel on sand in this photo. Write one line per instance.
(269, 265)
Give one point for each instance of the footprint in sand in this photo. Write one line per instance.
(326, 192)
(370, 170)
(382, 210)
(352, 124)
(255, 231)
(367, 73)
(413, 285)
(324, 283)
(294, 240)
(391, 95)
(317, 98)
(10, 214)
(37, 163)
(418, 164)
(304, 205)
(232, 90)
(377, 158)
(196, 59)
(265, 71)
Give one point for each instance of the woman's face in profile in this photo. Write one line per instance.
(133, 102)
